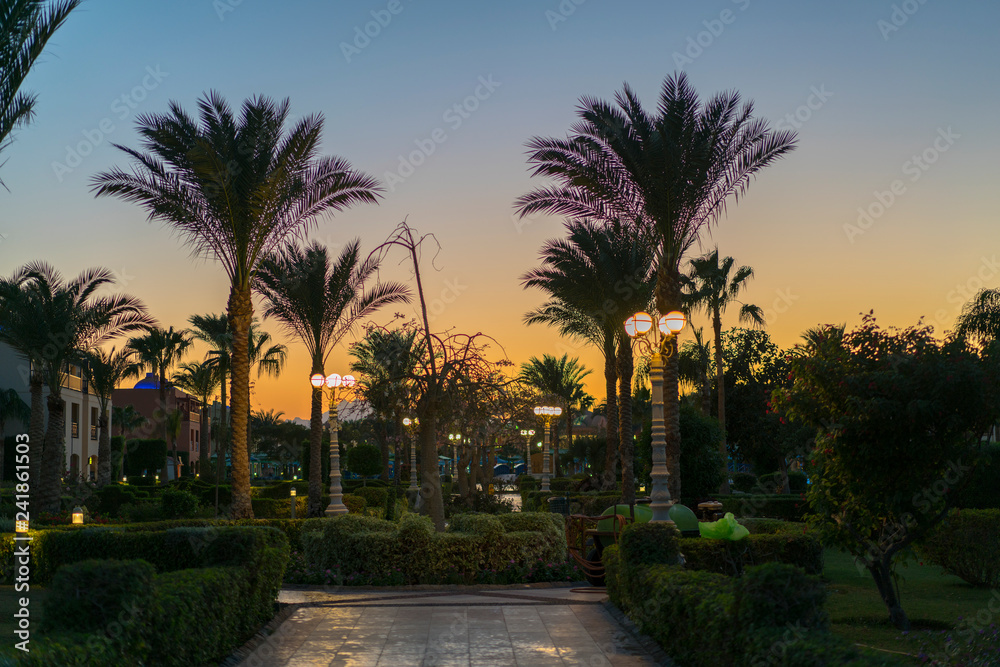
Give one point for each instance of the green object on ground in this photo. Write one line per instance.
(642, 514)
(725, 528)
(684, 518)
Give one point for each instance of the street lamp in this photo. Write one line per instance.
(546, 413)
(659, 347)
(456, 440)
(336, 383)
(410, 425)
(527, 433)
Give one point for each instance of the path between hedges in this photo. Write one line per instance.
(509, 627)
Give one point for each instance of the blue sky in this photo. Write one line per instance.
(880, 94)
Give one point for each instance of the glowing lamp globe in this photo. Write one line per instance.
(672, 323)
(317, 380)
(638, 324)
(349, 381)
(406, 421)
(77, 515)
(334, 380)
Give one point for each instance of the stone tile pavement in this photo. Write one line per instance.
(491, 628)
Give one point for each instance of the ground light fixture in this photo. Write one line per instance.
(337, 384)
(78, 515)
(546, 413)
(659, 346)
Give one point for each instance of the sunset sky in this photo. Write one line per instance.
(889, 203)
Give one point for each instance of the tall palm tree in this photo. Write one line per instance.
(603, 272)
(201, 380)
(561, 377)
(319, 300)
(385, 361)
(128, 419)
(74, 320)
(25, 29)
(670, 172)
(105, 371)
(713, 285)
(237, 189)
(159, 350)
(214, 330)
(173, 421)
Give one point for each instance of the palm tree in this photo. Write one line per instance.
(105, 371)
(604, 274)
(559, 377)
(25, 29)
(980, 317)
(201, 380)
(12, 406)
(385, 361)
(159, 350)
(713, 286)
(20, 309)
(237, 189)
(693, 368)
(74, 321)
(214, 330)
(172, 421)
(670, 173)
(128, 419)
(319, 301)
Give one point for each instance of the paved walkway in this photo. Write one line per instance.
(519, 627)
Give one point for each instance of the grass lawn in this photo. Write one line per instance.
(934, 601)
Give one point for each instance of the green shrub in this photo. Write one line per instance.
(527, 483)
(744, 481)
(762, 526)
(142, 510)
(178, 504)
(645, 544)
(701, 461)
(374, 496)
(363, 460)
(774, 506)
(732, 558)
(485, 525)
(89, 595)
(981, 491)
(798, 482)
(562, 484)
(275, 508)
(967, 544)
(354, 504)
(109, 499)
(777, 594)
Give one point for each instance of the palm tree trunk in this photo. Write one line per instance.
(720, 381)
(315, 446)
(668, 298)
(103, 449)
(36, 432)
(53, 456)
(162, 381)
(626, 447)
(611, 409)
(240, 312)
(205, 446)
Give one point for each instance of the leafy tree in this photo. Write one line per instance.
(237, 189)
(25, 28)
(713, 286)
(364, 460)
(319, 301)
(693, 369)
(980, 317)
(898, 418)
(669, 173)
(105, 371)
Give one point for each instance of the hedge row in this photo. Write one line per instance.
(132, 616)
(590, 504)
(473, 542)
(732, 558)
(967, 544)
(773, 614)
(788, 507)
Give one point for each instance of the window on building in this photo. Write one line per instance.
(75, 421)
(93, 423)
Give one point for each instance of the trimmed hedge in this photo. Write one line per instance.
(474, 542)
(788, 507)
(215, 607)
(773, 614)
(732, 558)
(374, 496)
(354, 504)
(967, 544)
(590, 504)
(178, 504)
(275, 508)
(744, 481)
